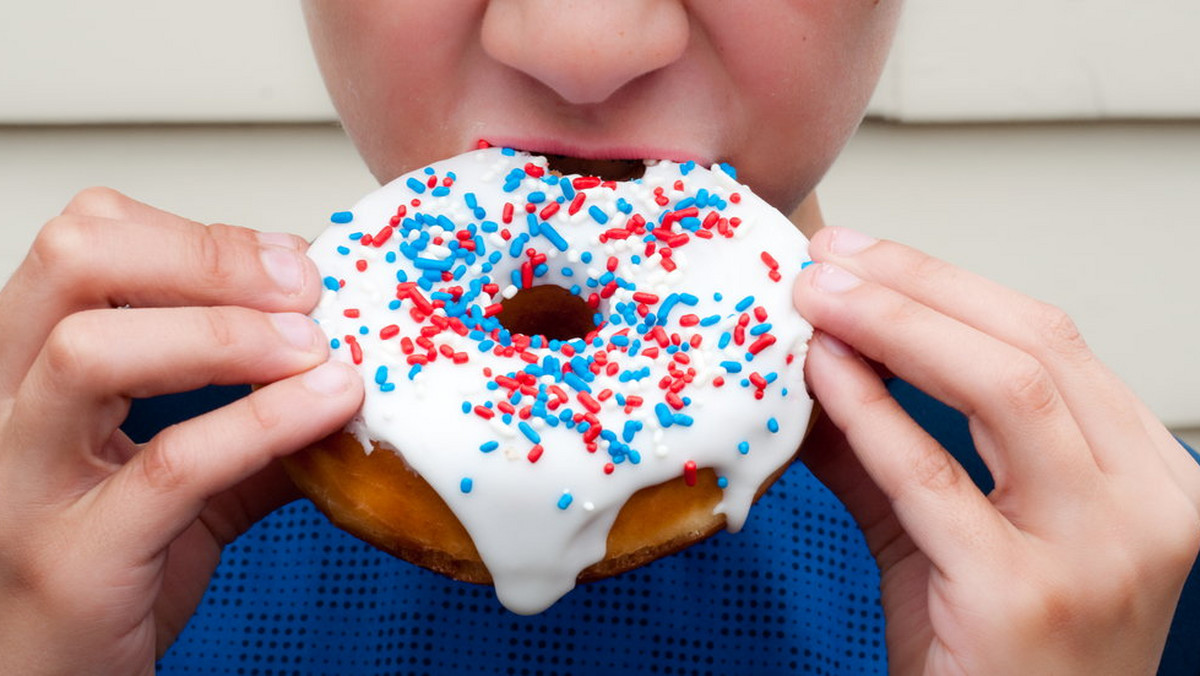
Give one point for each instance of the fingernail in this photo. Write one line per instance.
(280, 239)
(832, 279)
(329, 378)
(299, 331)
(285, 268)
(847, 242)
(834, 345)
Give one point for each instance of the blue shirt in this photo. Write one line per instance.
(795, 592)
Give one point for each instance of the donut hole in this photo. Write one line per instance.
(608, 170)
(547, 310)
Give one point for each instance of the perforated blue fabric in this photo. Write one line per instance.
(795, 592)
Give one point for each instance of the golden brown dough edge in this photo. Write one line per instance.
(378, 498)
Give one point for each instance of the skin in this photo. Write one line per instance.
(1073, 564)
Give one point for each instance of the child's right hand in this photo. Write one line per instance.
(106, 547)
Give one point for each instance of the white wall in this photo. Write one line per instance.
(1099, 218)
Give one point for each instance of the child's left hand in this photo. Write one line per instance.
(1075, 562)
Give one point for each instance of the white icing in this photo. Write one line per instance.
(538, 524)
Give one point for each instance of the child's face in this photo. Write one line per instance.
(774, 87)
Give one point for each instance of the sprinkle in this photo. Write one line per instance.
(466, 485)
(342, 217)
(565, 501)
(773, 425)
(689, 472)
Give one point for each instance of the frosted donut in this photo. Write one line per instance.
(567, 377)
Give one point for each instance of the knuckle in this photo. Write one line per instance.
(935, 471)
(1058, 333)
(99, 201)
(263, 415)
(220, 324)
(62, 248)
(165, 466)
(926, 269)
(216, 251)
(72, 350)
(1028, 387)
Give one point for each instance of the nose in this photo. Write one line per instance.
(585, 50)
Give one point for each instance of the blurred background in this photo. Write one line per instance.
(1051, 145)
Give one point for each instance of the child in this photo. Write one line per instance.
(1073, 563)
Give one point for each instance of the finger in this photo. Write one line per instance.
(77, 390)
(1101, 403)
(163, 489)
(1020, 425)
(932, 496)
(80, 262)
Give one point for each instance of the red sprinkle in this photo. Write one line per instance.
(535, 453)
(689, 472)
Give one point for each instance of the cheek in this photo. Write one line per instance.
(392, 67)
(804, 72)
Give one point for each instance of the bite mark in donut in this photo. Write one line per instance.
(671, 398)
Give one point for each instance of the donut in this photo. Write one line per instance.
(567, 375)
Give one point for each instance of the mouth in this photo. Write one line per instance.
(609, 164)
(608, 170)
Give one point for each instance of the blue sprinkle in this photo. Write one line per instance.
(555, 238)
(773, 425)
(530, 433)
(489, 446)
(345, 251)
(710, 320)
(440, 191)
(381, 375)
(335, 344)
(415, 185)
(508, 152)
(731, 366)
(342, 217)
(682, 420)
(687, 167)
(536, 197)
(663, 412)
(723, 341)
(598, 214)
(760, 329)
(466, 485)
(565, 501)
(332, 284)
(387, 387)
(722, 482)
(631, 428)
(805, 264)
(744, 447)
(576, 383)
(744, 303)
(728, 169)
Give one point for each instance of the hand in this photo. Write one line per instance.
(107, 547)
(1074, 563)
